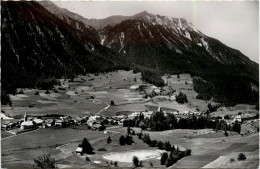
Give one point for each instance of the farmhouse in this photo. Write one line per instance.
(238, 118)
(27, 125)
(79, 150)
(38, 122)
(134, 87)
(49, 122)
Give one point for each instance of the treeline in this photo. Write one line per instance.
(159, 122)
(226, 89)
(150, 76)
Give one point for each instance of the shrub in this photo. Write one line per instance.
(136, 162)
(164, 158)
(109, 140)
(227, 117)
(122, 140)
(20, 92)
(44, 161)
(36, 93)
(231, 160)
(187, 152)
(55, 91)
(133, 132)
(87, 158)
(151, 164)
(102, 149)
(115, 164)
(47, 92)
(140, 135)
(241, 156)
(112, 103)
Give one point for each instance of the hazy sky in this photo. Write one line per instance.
(236, 24)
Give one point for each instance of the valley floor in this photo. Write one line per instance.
(92, 95)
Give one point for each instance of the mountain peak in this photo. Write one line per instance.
(143, 13)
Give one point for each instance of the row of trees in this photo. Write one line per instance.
(175, 153)
(123, 140)
(159, 122)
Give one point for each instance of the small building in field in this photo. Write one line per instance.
(38, 122)
(98, 127)
(49, 122)
(79, 150)
(27, 125)
(134, 87)
(60, 123)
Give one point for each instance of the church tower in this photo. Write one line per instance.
(25, 117)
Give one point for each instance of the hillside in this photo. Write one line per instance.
(173, 45)
(42, 41)
(36, 46)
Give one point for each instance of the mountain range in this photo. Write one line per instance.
(41, 40)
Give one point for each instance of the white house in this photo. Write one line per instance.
(27, 125)
(134, 87)
(238, 119)
(79, 150)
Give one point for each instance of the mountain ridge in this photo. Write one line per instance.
(151, 44)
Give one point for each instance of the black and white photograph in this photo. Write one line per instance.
(129, 84)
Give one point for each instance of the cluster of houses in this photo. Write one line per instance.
(93, 122)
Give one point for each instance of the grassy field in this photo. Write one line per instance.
(21, 149)
(90, 94)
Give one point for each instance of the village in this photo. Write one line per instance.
(100, 122)
(102, 106)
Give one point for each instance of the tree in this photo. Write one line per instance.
(159, 145)
(164, 158)
(109, 140)
(236, 127)
(86, 146)
(241, 156)
(181, 98)
(169, 162)
(231, 160)
(112, 103)
(167, 146)
(153, 143)
(122, 140)
(226, 133)
(136, 162)
(128, 130)
(129, 140)
(44, 161)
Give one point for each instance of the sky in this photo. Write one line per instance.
(234, 23)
